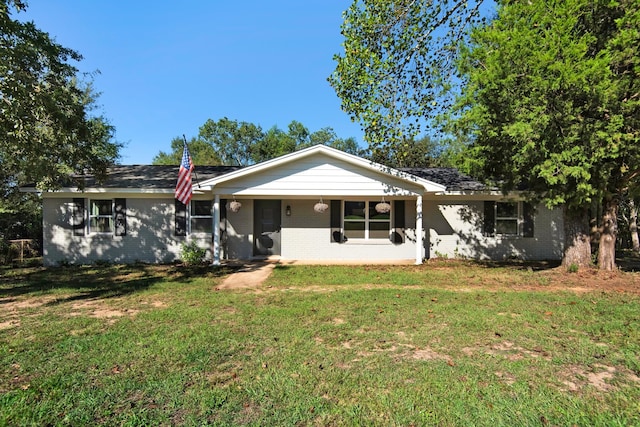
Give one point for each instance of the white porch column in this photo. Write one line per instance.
(419, 237)
(216, 230)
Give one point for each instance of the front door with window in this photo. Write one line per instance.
(266, 227)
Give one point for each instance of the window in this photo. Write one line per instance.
(509, 219)
(201, 218)
(362, 221)
(101, 216)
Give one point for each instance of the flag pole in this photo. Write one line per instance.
(194, 166)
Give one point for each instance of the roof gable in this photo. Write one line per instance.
(321, 170)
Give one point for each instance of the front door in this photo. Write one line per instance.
(266, 227)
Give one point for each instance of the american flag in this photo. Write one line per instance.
(184, 186)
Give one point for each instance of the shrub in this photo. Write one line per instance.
(192, 254)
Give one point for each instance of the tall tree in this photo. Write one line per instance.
(230, 142)
(47, 130)
(202, 153)
(275, 143)
(233, 141)
(397, 69)
(551, 102)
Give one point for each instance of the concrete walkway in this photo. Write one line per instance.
(250, 275)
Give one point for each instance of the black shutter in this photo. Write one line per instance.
(181, 218)
(120, 222)
(223, 221)
(489, 218)
(527, 214)
(336, 220)
(398, 222)
(223, 209)
(78, 217)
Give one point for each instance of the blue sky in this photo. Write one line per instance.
(166, 67)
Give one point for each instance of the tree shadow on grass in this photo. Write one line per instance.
(94, 282)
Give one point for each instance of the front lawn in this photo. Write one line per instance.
(440, 344)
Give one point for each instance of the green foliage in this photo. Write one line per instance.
(234, 143)
(397, 68)
(543, 103)
(423, 152)
(202, 153)
(191, 253)
(46, 130)
(21, 218)
(554, 106)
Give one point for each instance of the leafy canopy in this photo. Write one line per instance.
(47, 131)
(397, 69)
(551, 99)
(232, 143)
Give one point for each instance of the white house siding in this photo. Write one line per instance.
(149, 238)
(455, 229)
(306, 235)
(316, 176)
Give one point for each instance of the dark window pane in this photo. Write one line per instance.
(101, 224)
(506, 210)
(354, 230)
(379, 230)
(101, 207)
(201, 208)
(201, 225)
(506, 226)
(354, 210)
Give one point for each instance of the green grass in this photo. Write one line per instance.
(446, 345)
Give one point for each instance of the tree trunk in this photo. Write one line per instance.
(577, 241)
(607, 247)
(633, 225)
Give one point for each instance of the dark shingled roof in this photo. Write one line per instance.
(164, 177)
(451, 178)
(152, 176)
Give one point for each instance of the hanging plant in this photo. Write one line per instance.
(321, 206)
(235, 206)
(383, 207)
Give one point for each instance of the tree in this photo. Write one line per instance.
(47, 132)
(423, 152)
(551, 102)
(230, 142)
(397, 70)
(202, 153)
(233, 141)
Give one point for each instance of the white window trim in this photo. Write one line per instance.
(519, 220)
(367, 221)
(190, 217)
(111, 232)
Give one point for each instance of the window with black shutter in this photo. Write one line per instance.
(508, 219)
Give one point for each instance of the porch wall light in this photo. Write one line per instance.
(287, 210)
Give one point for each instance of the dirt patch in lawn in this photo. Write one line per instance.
(591, 280)
(14, 308)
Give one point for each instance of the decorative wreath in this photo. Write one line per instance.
(235, 206)
(321, 206)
